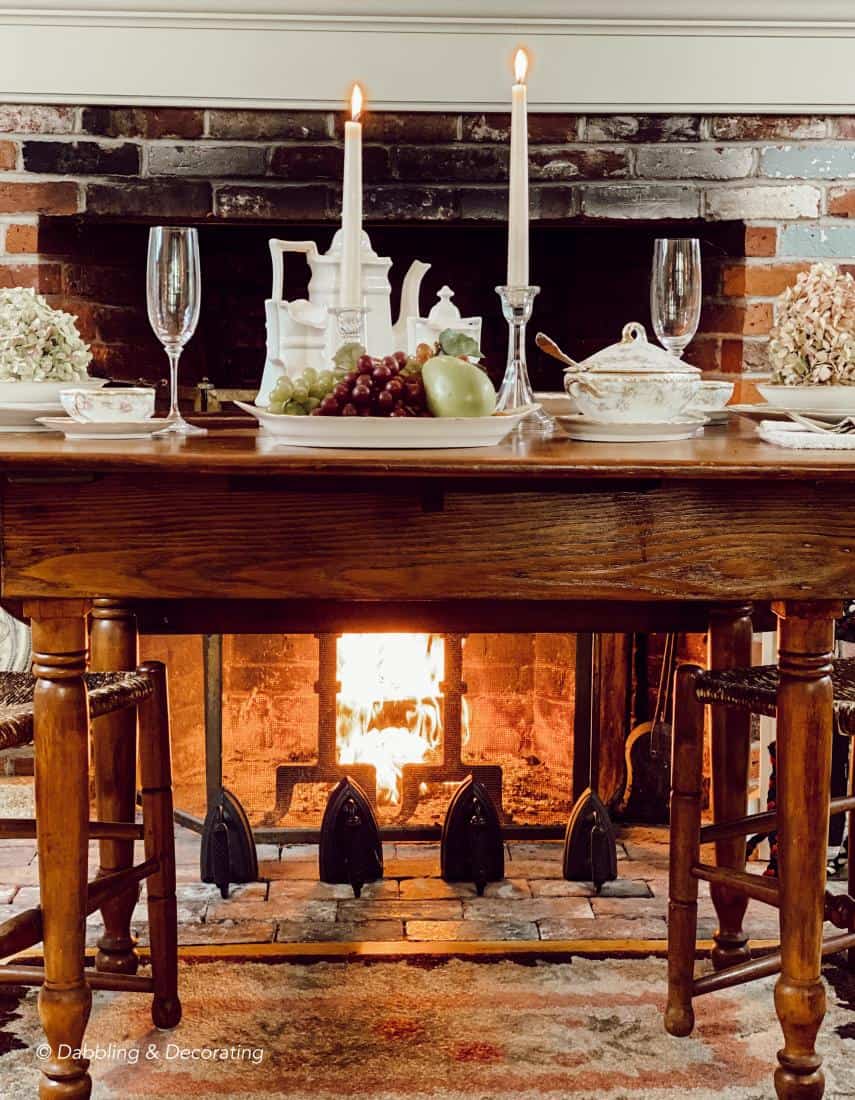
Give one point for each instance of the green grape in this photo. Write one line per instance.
(275, 406)
(309, 376)
(326, 379)
(300, 391)
(293, 409)
(282, 390)
(312, 403)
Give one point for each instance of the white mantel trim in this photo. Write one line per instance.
(612, 55)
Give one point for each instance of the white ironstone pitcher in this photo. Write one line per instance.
(302, 333)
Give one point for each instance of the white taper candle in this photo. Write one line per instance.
(350, 289)
(518, 194)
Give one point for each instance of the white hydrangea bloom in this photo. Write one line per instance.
(813, 341)
(39, 343)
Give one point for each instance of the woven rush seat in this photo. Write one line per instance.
(756, 689)
(108, 691)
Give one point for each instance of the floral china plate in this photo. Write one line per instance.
(104, 429)
(387, 433)
(801, 399)
(584, 429)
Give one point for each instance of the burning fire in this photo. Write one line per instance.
(390, 703)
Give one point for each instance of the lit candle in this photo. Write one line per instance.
(518, 196)
(350, 290)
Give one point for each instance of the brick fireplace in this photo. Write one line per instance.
(79, 186)
(768, 194)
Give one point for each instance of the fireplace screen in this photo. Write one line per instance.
(408, 716)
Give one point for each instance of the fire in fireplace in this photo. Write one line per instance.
(389, 707)
(411, 715)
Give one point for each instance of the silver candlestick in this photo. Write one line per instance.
(515, 391)
(350, 324)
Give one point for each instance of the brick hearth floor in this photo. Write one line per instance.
(412, 902)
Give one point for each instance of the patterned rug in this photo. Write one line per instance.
(452, 1031)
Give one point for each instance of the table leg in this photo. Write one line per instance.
(806, 639)
(61, 734)
(113, 638)
(729, 646)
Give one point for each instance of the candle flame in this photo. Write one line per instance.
(520, 66)
(356, 102)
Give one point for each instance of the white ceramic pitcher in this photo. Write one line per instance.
(302, 333)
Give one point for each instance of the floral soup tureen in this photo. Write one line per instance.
(632, 382)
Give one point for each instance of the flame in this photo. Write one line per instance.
(389, 709)
(356, 102)
(520, 66)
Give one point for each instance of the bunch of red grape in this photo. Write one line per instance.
(378, 387)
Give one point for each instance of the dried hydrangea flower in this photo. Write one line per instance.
(39, 343)
(813, 341)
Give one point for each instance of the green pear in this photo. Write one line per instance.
(455, 387)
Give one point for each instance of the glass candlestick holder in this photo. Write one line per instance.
(515, 391)
(350, 324)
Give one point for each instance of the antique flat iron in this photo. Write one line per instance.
(472, 848)
(350, 848)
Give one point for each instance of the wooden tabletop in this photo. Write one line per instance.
(731, 451)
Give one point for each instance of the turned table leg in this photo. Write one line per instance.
(729, 646)
(61, 735)
(806, 639)
(114, 644)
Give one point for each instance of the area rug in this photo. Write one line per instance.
(457, 1030)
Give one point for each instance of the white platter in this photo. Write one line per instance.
(839, 399)
(592, 431)
(110, 429)
(42, 393)
(760, 412)
(22, 417)
(380, 432)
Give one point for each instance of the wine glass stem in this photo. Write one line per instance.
(174, 355)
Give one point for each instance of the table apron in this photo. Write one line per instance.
(138, 536)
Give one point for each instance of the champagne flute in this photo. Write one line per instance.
(675, 292)
(173, 292)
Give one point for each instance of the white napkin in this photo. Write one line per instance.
(796, 438)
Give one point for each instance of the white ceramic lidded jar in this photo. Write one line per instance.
(632, 382)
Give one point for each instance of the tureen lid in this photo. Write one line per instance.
(633, 354)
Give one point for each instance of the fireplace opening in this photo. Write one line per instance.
(593, 279)
(407, 715)
(411, 715)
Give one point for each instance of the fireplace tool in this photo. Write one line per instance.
(590, 844)
(648, 753)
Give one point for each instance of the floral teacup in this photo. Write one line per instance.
(129, 403)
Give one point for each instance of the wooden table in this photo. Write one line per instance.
(547, 535)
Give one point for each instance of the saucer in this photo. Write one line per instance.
(594, 431)
(23, 417)
(104, 429)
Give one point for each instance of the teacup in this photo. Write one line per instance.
(712, 397)
(99, 406)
